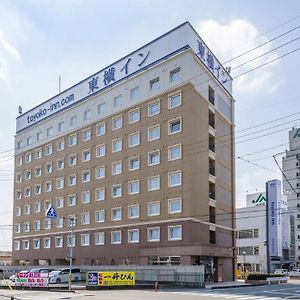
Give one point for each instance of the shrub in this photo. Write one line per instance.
(257, 276)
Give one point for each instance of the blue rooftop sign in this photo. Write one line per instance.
(176, 40)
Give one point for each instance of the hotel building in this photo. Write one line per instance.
(140, 155)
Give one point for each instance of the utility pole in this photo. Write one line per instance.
(71, 250)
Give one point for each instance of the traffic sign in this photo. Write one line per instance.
(51, 213)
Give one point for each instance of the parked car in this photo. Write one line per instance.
(282, 272)
(62, 276)
(295, 273)
(13, 277)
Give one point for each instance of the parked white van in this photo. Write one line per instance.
(62, 276)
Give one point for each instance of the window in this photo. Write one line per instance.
(133, 187)
(17, 228)
(86, 197)
(85, 239)
(100, 194)
(85, 218)
(26, 226)
(174, 126)
(99, 238)
(116, 237)
(116, 214)
(134, 93)
(101, 129)
(154, 84)
(117, 145)
(174, 152)
(154, 183)
(73, 140)
(175, 178)
(134, 139)
(116, 191)
(153, 234)
(153, 208)
(47, 224)
(27, 192)
(18, 211)
(100, 150)
(38, 171)
(27, 209)
(72, 180)
(28, 174)
(37, 207)
(72, 160)
(71, 241)
(48, 186)
(36, 244)
(17, 245)
(60, 164)
(86, 134)
(154, 108)
(73, 121)
(19, 144)
(47, 243)
(86, 176)
(153, 158)
(133, 211)
(100, 216)
(87, 114)
(19, 161)
(59, 222)
(174, 101)
(37, 189)
(28, 157)
(39, 136)
(59, 202)
(19, 194)
(133, 163)
(59, 242)
(133, 236)
(100, 172)
(116, 168)
(175, 75)
(118, 101)
(101, 108)
(174, 233)
(134, 116)
(60, 183)
(61, 145)
(38, 153)
(86, 155)
(49, 131)
(48, 167)
(37, 225)
(116, 122)
(61, 126)
(154, 133)
(175, 206)
(47, 203)
(71, 200)
(48, 149)
(25, 244)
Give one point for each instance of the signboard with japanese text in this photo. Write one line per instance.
(115, 278)
(273, 188)
(179, 39)
(35, 279)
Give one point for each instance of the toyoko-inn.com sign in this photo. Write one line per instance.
(176, 40)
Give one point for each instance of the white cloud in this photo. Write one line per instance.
(230, 40)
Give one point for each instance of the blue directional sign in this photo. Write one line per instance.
(51, 213)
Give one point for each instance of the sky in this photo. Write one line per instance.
(42, 40)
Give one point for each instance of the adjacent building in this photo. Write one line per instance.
(140, 155)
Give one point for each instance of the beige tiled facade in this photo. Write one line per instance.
(148, 184)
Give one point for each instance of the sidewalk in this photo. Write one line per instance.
(228, 284)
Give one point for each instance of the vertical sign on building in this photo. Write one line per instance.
(274, 217)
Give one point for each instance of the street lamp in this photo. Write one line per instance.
(244, 254)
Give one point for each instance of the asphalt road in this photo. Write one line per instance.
(273, 292)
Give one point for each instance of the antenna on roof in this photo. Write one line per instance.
(59, 84)
(20, 110)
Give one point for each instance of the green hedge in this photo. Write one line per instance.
(257, 276)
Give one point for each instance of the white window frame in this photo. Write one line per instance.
(60, 183)
(86, 176)
(45, 244)
(112, 239)
(130, 183)
(98, 213)
(173, 95)
(151, 104)
(116, 168)
(155, 127)
(38, 168)
(86, 155)
(74, 197)
(170, 148)
(119, 185)
(86, 197)
(173, 121)
(85, 218)
(114, 119)
(179, 199)
(60, 164)
(148, 234)
(169, 232)
(119, 209)
(170, 174)
(130, 144)
(131, 113)
(130, 207)
(85, 239)
(59, 201)
(130, 241)
(99, 128)
(61, 145)
(102, 189)
(86, 134)
(97, 172)
(154, 84)
(149, 155)
(114, 143)
(173, 72)
(60, 244)
(72, 140)
(100, 150)
(72, 158)
(72, 180)
(136, 158)
(149, 214)
(98, 241)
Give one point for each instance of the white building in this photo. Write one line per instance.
(251, 235)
